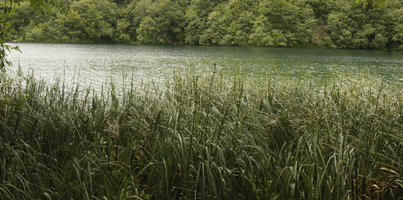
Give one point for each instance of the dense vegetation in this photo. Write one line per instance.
(7, 31)
(203, 137)
(355, 24)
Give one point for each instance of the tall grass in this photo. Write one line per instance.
(203, 136)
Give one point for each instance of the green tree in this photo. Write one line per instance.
(350, 25)
(147, 32)
(7, 31)
(241, 14)
(397, 27)
(217, 23)
(132, 15)
(20, 16)
(165, 19)
(48, 31)
(92, 20)
(371, 4)
(283, 23)
(196, 16)
(358, 24)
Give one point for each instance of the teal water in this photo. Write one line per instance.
(96, 64)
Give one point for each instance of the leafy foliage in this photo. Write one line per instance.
(360, 24)
(8, 25)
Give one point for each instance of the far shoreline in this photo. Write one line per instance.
(311, 47)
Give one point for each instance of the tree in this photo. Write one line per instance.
(350, 25)
(371, 4)
(397, 27)
(7, 32)
(163, 24)
(217, 23)
(362, 24)
(147, 32)
(132, 15)
(92, 20)
(196, 16)
(20, 16)
(283, 23)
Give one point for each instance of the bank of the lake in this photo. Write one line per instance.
(203, 136)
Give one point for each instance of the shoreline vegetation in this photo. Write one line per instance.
(334, 24)
(16, 43)
(203, 136)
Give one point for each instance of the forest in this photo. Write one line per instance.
(345, 24)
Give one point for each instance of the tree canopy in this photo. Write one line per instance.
(358, 24)
(11, 19)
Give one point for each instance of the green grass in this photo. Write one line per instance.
(203, 136)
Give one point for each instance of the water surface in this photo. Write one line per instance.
(96, 64)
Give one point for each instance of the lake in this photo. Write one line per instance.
(94, 64)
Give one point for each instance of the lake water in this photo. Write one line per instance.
(96, 64)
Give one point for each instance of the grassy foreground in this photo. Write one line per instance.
(203, 137)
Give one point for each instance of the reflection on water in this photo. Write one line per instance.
(95, 64)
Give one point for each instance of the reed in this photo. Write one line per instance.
(203, 136)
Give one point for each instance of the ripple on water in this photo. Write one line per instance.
(96, 64)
